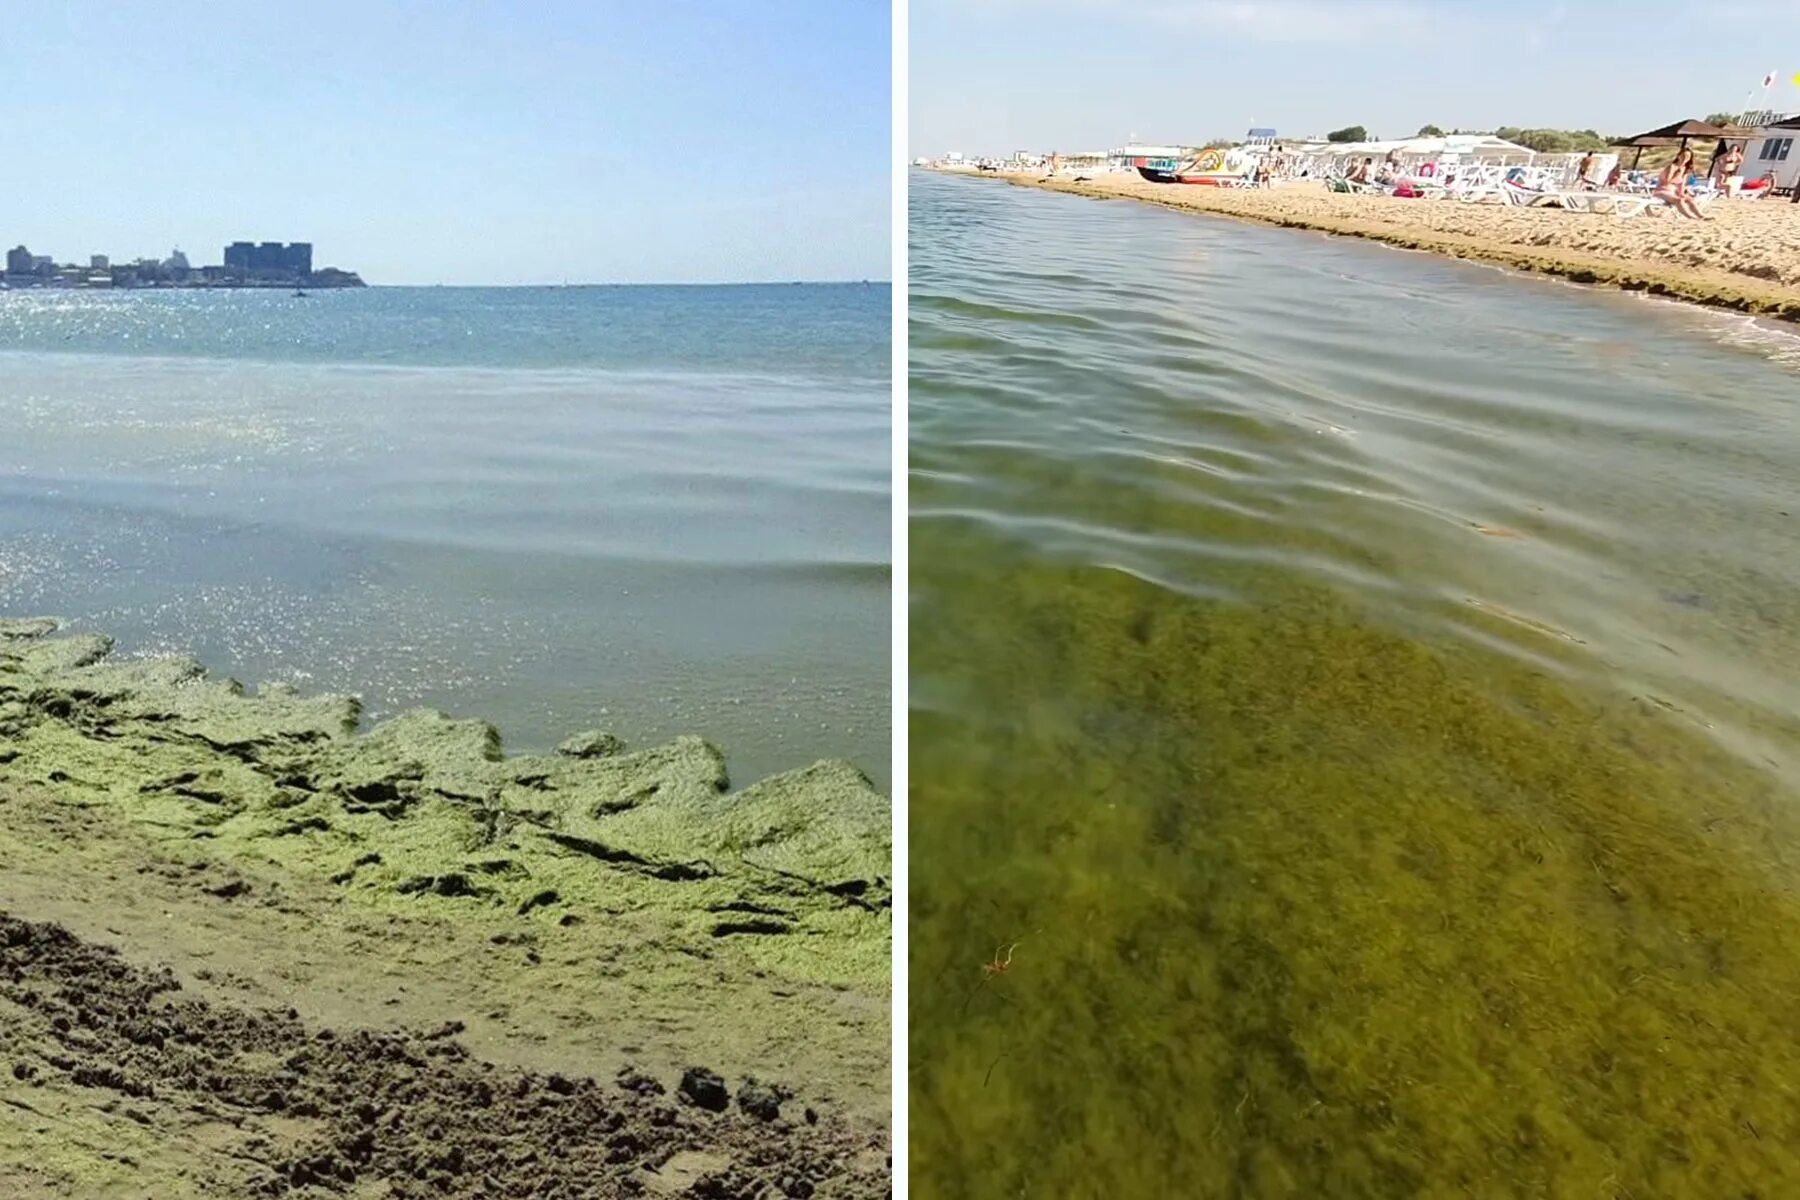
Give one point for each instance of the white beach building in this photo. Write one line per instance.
(1775, 148)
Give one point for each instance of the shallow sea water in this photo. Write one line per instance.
(1353, 704)
(650, 510)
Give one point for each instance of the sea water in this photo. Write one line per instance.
(1353, 720)
(653, 510)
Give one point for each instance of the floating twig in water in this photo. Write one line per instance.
(991, 970)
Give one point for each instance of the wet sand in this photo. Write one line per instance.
(218, 860)
(1747, 259)
(118, 1081)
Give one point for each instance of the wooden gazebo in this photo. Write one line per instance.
(1682, 132)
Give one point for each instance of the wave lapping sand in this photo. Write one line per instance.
(595, 910)
(1746, 258)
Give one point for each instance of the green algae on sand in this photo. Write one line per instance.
(423, 811)
(1310, 907)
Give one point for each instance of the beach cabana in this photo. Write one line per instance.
(1683, 132)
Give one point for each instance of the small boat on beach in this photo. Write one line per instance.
(1218, 166)
(299, 295)
(1158, 164)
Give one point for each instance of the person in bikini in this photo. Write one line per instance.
(1672, 189)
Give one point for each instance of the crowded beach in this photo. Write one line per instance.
(1713, 216)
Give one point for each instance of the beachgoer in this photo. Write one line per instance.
(1616, 176)
(1728, 165)
(1672, 186)
(1584, 172)
(1359, 172)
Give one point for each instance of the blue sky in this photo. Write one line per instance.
(427, 142)
(992, 76)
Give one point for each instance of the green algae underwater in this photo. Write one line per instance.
(1250, 854)
(1477, 941)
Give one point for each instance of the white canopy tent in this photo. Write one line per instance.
(1454, 154)
(1479, 147)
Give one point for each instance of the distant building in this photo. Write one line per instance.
(269, 258)
(43, 264)
(18, 261)
(98, 262)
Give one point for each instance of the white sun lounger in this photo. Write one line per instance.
(1525, 197)
(1616, 204)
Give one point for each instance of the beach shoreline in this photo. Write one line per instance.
(1747, 260)
(589, 913)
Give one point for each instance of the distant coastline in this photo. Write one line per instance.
(332, 279)
(246, 265)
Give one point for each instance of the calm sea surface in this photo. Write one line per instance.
(1353, 720)
(651, 510)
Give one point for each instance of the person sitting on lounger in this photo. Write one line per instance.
(1359, 172)
(1616, 176)
(1672, 186)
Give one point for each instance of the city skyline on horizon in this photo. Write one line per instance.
(91, 256)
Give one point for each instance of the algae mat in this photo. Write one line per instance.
(1352, 723)
(577, 911)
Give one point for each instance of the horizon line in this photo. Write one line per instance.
(659, 283)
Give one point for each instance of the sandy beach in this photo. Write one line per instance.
(1747, 258)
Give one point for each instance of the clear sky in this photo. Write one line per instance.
(993, 76)
(456, 142)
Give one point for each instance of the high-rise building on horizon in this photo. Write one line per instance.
(18, 261)
(294, 258)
